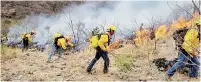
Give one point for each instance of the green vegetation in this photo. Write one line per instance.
(8, 52)
(124, 62)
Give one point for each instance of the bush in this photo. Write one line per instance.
(124, 62)
(8, 52)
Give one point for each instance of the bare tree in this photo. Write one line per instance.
(72, 27)
(103, 26)
(196, 7)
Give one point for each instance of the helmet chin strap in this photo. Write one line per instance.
(110, 32)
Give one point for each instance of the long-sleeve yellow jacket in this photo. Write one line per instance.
(103, 42)
(191, 42)
(62, 41)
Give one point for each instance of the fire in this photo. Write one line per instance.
(195, 17)
(116, 44)
(181, 22)
(142, 36)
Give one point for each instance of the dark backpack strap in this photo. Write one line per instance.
(99, 36)
(25, 37)
(109, 40)
(199, 35)
(56, 41)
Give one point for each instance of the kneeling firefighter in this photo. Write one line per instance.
(60, 42)
(101, 43)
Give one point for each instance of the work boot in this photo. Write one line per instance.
(105, 71)
(88, 71)
(48, 61)
(91, 65)
(168, 78)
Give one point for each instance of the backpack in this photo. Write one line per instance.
(178, 36)
(25, 38)
(56, 41)
(94, 40)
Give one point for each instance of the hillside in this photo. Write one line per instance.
(127, 63)
(13, 11)
(133, 54)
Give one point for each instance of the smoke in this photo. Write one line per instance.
(126, 16)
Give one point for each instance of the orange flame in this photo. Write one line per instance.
(161, 31)
(116, 44)
(181, 22)
(142, 36)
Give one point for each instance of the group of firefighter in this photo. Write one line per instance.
(60, 42)
(189, 49)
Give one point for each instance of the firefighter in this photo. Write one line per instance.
(59, 44)
(102, 49)
(3, 38)
(27, 39)
(188, 52)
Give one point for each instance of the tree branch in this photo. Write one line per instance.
(196, 7)
(184, 10)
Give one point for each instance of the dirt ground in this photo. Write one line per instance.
(32, 65)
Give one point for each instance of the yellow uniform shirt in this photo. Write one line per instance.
(103, 42)
(191, 42)
(62, 42)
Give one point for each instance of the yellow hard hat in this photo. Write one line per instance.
(68, 37)
(57, 35)
(198, 22)
(112, 27)
(24, 33)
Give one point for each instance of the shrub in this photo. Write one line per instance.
(124, 62)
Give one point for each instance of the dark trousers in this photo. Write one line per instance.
(25, 44)
(99, 53)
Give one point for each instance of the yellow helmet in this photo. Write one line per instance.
(111, 27)
(198, 22)
(23, 33)
(57, 35)
(68, 37)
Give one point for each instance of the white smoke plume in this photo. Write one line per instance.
(90, 15)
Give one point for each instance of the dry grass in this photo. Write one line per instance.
(127, 63)
(124, 62)
(8, 53)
